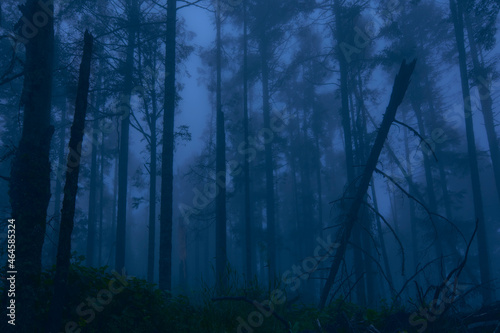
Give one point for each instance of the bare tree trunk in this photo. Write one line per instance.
(29, 186)
(348, 141)
(167, 170)
(220, 170)
(482, 239)
(121, 221)
(101, 205)
(486, 102)
(58, 190)
(114, 214)
(399, 89)
(268, 151)
(246, 166)
(381, 240)
(152, 191)
(429, 179)
(412, 190)
(92, 216)
(70, 191)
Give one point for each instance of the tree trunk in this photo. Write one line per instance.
(486, 102)
(92, 216)
(269, 165)
(167, 170)
(381, 240)
(429, 179)
(348, 141)
(482, 239)
(412, 191)
(246, 165)
(121, 221)
(101, 205)
(220, 170)
(114, 215)
(58, 190)
(70, 191)
(152, 191)
(29, 186)
(399, 89)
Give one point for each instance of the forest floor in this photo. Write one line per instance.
(103, 301)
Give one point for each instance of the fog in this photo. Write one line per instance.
(250, 165)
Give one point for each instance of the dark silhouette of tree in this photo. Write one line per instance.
(482, 240)
(70, 191)
(29, 186)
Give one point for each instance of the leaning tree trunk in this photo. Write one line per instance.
(167, 169)
(398, 91)
(58, 190)
(482, 239)
(70, 191)
(29, 186)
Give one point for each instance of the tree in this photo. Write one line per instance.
(482, 240)
(246, 163)
(220, 171)
(399, 89)
(29, 186)
(121, 222)
(70, 191)
(167, 169)
(481, 37)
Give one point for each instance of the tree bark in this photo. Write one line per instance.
(152, 190)
(348, 141)
(92, 216)
(29, 186)
(246, 165)
(220, 170)
(58, 190)
(121, 221)
(165, 264)
(70, 191)
(269, 164)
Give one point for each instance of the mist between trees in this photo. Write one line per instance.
(208, 145)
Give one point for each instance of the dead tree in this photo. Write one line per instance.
(70, 190)
(398, 91)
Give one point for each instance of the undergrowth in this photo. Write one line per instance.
(140, 307)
